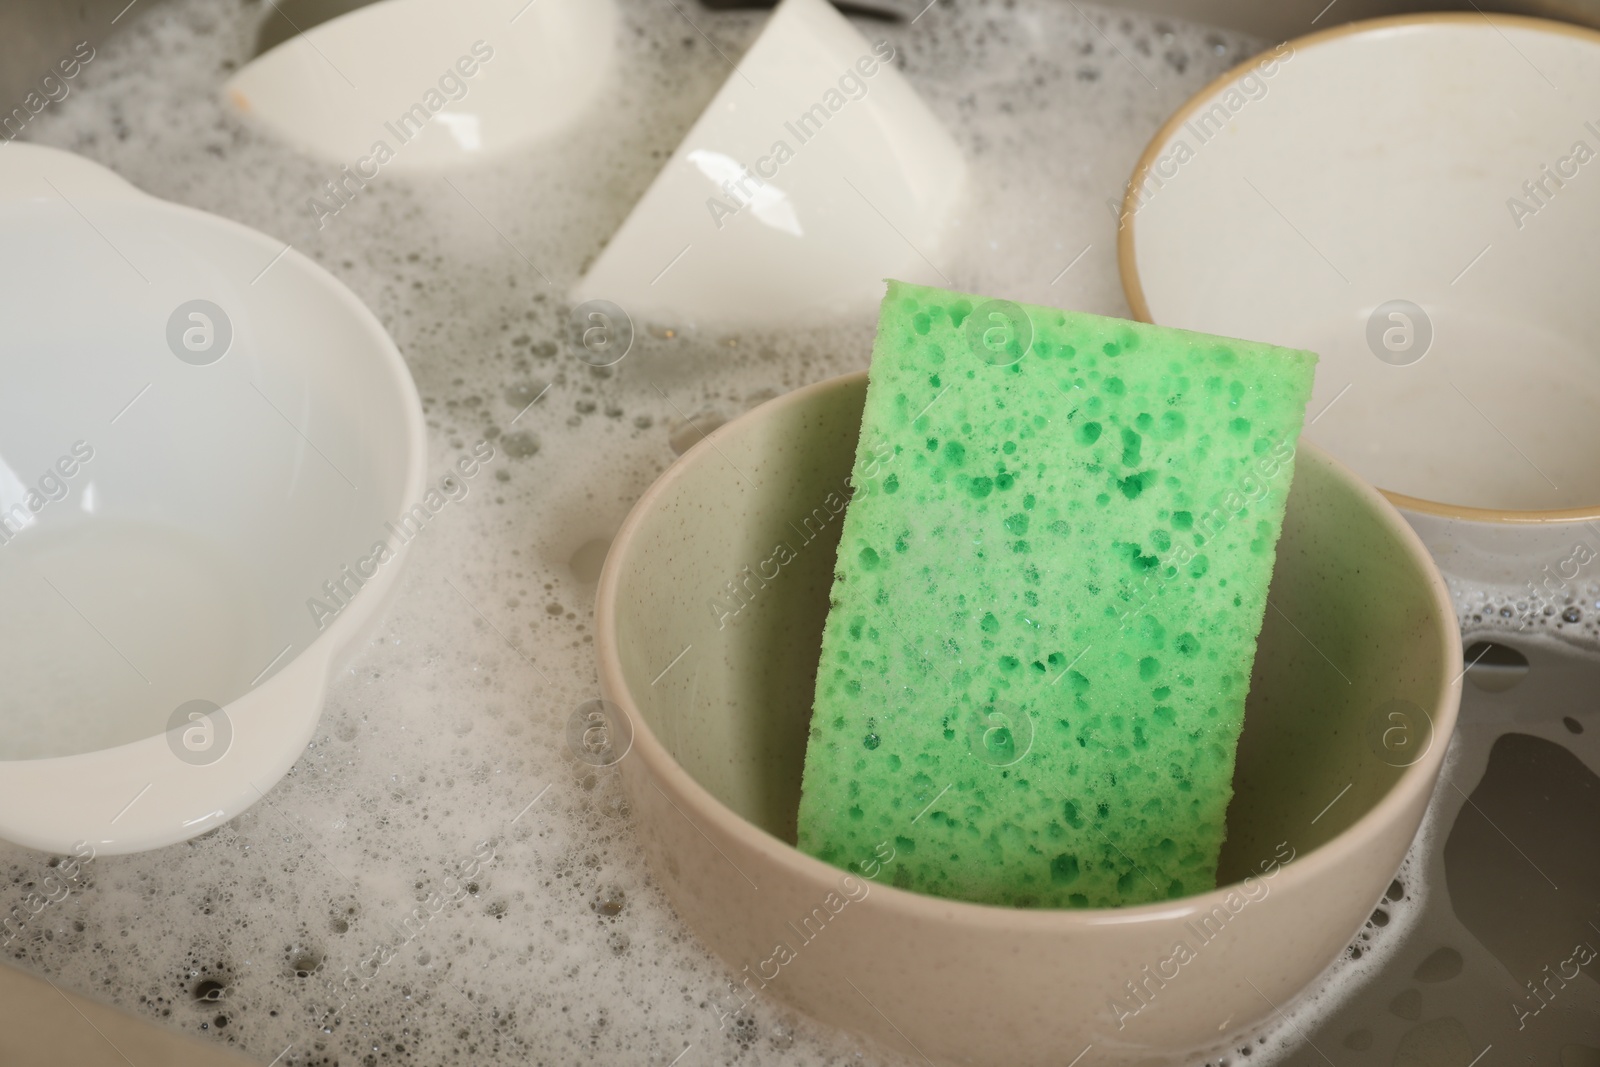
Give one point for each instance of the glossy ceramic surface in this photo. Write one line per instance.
(202, 439)
(435, 83)
(814, 174)
(1410, 198)
(1330, 787)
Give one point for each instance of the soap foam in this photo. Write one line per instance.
(438, 735)
(1560, 608)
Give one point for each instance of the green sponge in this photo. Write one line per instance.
(1051, 578)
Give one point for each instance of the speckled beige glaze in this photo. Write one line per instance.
(1360, 617)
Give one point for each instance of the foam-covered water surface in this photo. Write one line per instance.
(438, 879)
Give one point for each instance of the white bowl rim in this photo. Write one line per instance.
(1416, 780)
(1127, 258)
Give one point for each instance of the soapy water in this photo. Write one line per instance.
(1569, 613)
(449, 729)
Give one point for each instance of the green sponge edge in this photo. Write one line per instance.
(1051, 577)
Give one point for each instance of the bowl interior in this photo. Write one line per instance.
(168, 520)
(723, 587)
(1411, 199)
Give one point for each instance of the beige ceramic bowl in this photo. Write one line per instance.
(1353, 700)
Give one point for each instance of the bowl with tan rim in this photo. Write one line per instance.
(1415, 199)
(206, 445)
(1351, 705)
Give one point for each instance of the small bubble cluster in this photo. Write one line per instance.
(1567, 610)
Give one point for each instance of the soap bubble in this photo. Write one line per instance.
(999, 332)
(1399, 332)
(1399, 732)
(199, 732)
(1000, 733)
(199, 332)
(602, 333)
(599, 733)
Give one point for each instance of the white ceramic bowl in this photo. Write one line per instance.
(178, 480)
(1372, 193)
(1333, 775)
(814, 174)
(438, 83)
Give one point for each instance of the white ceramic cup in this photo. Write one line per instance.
(199, 428)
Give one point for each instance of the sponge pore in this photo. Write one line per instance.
(1051, 577)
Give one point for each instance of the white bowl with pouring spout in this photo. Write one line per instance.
(202, 437)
